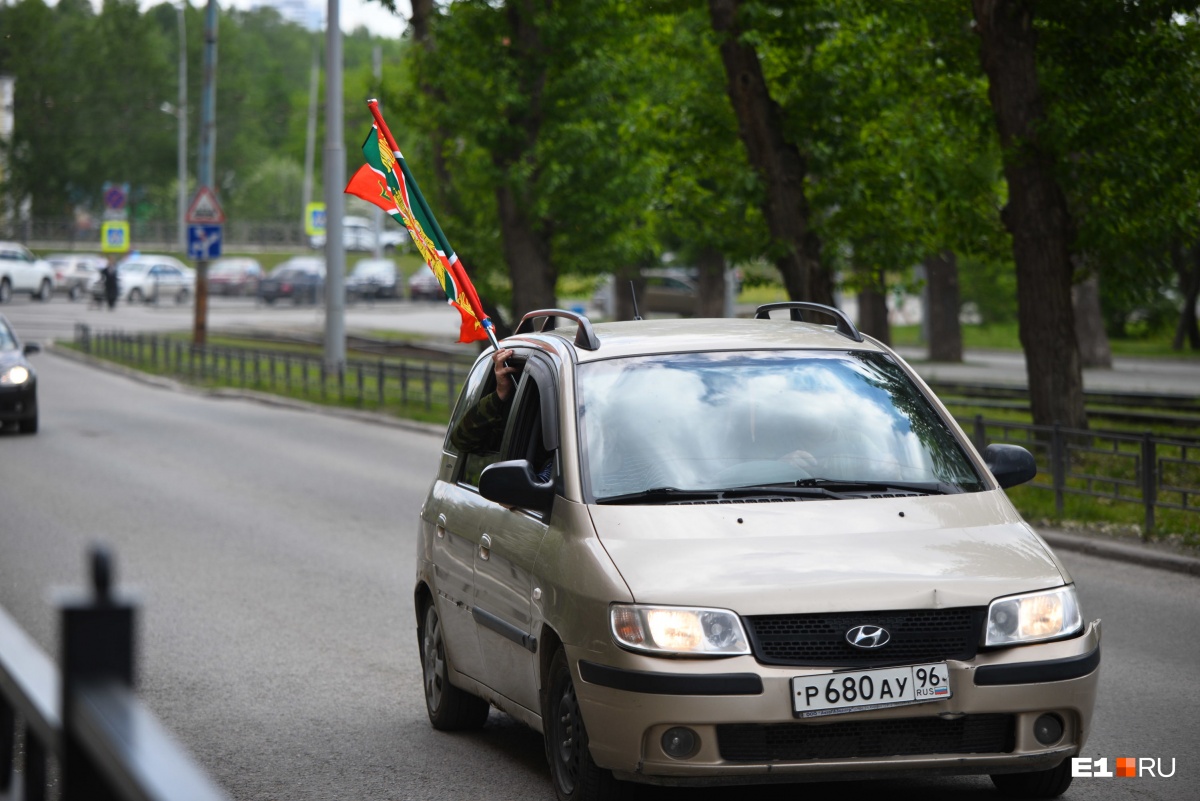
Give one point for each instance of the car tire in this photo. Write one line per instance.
(182, 297)
(574, 775)
(75, 293)
(5, 291)
(135, 296)
(1038, 784)
(449, 708)
(29, 425)
(45, 291)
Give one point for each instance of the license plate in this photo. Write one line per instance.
(836, 693)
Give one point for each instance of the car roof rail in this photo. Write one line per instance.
(844, 326)
(585, 336)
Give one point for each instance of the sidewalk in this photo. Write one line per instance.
(1123, 550)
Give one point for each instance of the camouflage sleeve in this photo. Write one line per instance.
(481, 429)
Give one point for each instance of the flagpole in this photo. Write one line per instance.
(373, 105)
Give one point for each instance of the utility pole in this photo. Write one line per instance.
(182, 120)
(335, 181)
(208, 147)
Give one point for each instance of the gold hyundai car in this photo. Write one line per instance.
(694, 552)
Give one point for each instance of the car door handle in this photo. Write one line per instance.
(485, 547)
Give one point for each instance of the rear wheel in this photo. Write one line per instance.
(135, 296)
(576, 777)
(1038, 784)
(449, 708)
(75, 292)
(182, 297)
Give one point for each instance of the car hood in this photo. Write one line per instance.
(848, 555)
(8, 358)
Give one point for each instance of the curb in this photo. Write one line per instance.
(1107, 548)
(264, 398)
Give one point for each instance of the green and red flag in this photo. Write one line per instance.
(385, 181)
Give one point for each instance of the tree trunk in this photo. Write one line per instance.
(945, 331)
(711, 288)
(422, 14)
(1089, 325)
(527, 253)
(780, 164)
(1036, 214)
(526, 240)
(873, 311)
(1189, 287)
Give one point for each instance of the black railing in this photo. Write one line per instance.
(1155, 472)
(107, 744)
(382, 384)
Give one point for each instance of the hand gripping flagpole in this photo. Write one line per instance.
(472, 298)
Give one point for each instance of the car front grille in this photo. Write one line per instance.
(917, 635)
(790, 742)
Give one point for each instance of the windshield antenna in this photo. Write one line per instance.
(633, 292)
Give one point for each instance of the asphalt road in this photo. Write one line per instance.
(273, 551)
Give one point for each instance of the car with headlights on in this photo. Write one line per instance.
(708, 552)
(18, 381)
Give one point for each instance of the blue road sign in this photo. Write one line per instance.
(204, 242)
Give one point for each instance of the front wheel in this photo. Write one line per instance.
(5, 291)
(576, 777)
(45, 291)
(1039, 784)
(449, 708)
(135, 296)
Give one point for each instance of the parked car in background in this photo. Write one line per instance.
(21, 271)
(300, 279)
(670, 290)
(723, 551)
(372, 279)
(149, 278)
(423, 285)
(234, 276)
(358, 234)
(75, 272)
(18, 381)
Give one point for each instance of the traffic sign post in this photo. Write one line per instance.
(204, 242)
(204, 219)
(114, 236)
(116, 200)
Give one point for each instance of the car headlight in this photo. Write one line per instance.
(678, 630)
(16, 375)
(1034, 616)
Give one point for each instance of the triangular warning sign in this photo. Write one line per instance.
(205, 208)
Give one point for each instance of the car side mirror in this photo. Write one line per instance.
(513, 483)
(1010, 464)
(31, 348)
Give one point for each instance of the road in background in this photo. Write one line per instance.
(36, 321)
(273, 552)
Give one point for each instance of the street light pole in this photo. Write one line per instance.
(335, 181)
(182, 112)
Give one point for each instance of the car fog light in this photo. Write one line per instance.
(679, 742)
(1048, 729)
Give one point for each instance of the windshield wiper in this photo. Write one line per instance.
(924, 487)
(669, 495)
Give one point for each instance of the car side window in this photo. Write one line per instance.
(478, 425)
(527, 439)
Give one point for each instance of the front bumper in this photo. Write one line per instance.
(18, 403)
(741, 714)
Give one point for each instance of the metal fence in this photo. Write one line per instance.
(1155, 472)
(64, 233)
(105, 741)
(374, 384)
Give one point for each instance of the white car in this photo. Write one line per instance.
(149, 277)
(358, 234)
(21, 271)
(75, 272)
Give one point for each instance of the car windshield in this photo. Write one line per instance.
(812, 421)
(7, 340)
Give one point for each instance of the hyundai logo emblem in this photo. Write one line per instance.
(868, 637)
